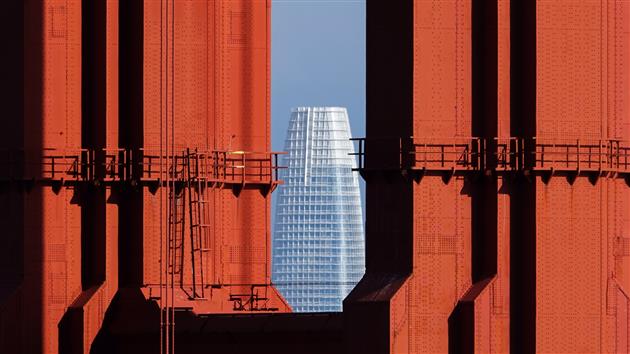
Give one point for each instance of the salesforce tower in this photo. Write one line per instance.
(318, 243)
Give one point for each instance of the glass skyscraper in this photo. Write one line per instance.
(318, 243)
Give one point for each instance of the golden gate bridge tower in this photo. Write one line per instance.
(136, 176)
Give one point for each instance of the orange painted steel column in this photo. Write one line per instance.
(20, 67)
(12, 203)
(543, 88)
(48, 241)
(481, 322)
(111, 144)
(45, 291)
(442, 272)
(618, 266)
(437, 237)
(99, 242)
(52, 244)
(581, 82)
(211, 61)
(377, 312)
(58, 240)
(498, 331)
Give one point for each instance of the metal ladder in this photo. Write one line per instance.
(177, 220)
(199, 228)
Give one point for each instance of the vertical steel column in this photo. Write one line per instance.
(21, 100)
(389, 209)
(93, 136)
(484, 125)
(131, 117)
(466, 330)
(76, 329)
(522, 191)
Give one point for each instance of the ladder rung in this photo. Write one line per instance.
(202, 249)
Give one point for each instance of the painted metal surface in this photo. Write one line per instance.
(48, 306)
(532, 206)
(206, 84)
(442, 224)
(68, 174)
(50, 278)
(497, 188)
(582, 79)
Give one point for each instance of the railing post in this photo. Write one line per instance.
(123, 166)
(424, 163)
(625, 156)
(224, 165)
(243, 167)
(521, 152)
(215, 165)
(92, 164)
(130, 163)
(601, 155)
(579, 157)
(362, 153)
(454, 159)
(277, 168)
(617, 154)
(271, 172)
(476, 154)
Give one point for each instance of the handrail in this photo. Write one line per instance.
(139, 165)
(505, 154)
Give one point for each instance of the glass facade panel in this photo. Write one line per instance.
(318, 243)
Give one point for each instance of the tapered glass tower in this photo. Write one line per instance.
(318, 244)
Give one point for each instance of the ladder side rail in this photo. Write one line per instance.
(201, 228)
(192, 227)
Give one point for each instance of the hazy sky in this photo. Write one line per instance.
(317, 59)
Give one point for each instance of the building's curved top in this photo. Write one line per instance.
(318, 109)
(318, 242)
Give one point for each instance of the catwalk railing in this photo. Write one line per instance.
(140, 166)
(417, 155)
